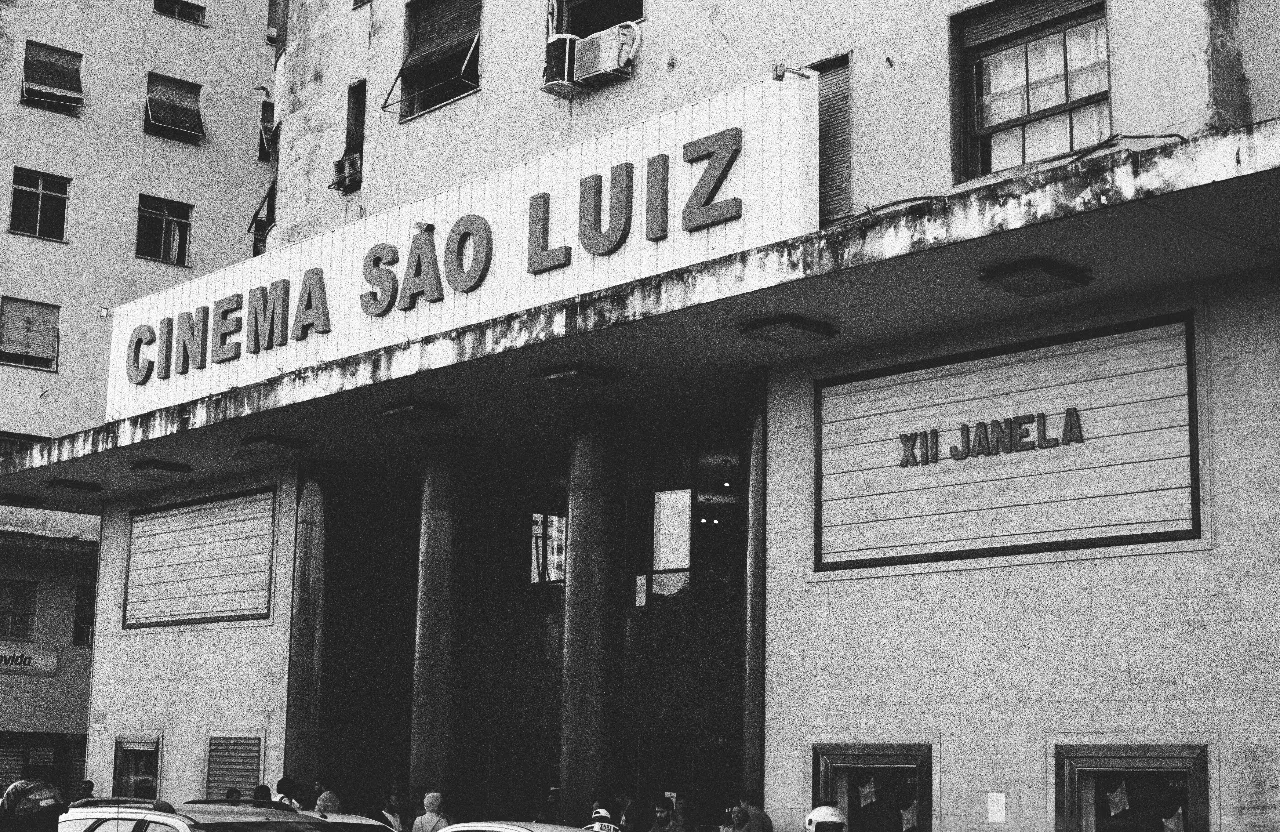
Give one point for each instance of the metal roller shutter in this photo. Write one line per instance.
(234, 763)
(834, 142)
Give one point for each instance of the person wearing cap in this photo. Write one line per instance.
(601, 821)
(825, 819)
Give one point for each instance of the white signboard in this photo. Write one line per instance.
(27, 659)
(1082, 443)
(711, 179)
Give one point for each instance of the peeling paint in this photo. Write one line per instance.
(1077, 188)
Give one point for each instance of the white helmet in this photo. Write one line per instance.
(819, 819)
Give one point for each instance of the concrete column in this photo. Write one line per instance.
(304, 696)
(431, 730)
(592, 616)
(753, 687)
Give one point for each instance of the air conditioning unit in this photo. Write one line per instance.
(557, 72)
(347, 173)
(606, 57)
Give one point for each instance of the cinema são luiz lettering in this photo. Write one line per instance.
(190, 340)
(990, 438)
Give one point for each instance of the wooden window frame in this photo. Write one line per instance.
(1189, 760)
(45, 190)
(968, 145)
(175, 251)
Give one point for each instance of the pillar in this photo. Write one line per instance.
(592, 616)
(431, 728)
(753, 687)
(303, 738)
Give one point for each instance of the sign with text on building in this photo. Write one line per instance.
(1080, 443)
(25, 659)
(711, 179)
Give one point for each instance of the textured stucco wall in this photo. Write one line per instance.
(994, 662)
(186, 683)
(900, 79)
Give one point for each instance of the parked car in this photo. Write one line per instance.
(130, 815)
(342, 822)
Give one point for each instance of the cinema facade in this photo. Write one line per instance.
(618, 472)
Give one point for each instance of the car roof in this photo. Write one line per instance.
(342, 817)
(509, 826)
(230, 812)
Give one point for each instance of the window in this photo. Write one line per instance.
(17, 610)
(878, 787)
(347, 171)
(1037, 75)
(181, 10)
(550, 542)
(39, 204)
(233, 763)
(51, 79)
(586, 17)
(442, 54)
(29, 333)
(83, 619)
(173, 109)
(137, 768)
(267, 135)
(672, 545)
(1129, 788)
(164, 228)
(835, 150)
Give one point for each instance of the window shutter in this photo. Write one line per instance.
(834, 142)
(174, 104)
(29, 329)
(437, 27)
(49, 66)
(992, 25)
(234, 763)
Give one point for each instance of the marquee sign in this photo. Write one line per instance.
(714, 178)
(1086, 442)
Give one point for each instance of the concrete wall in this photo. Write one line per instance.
(900, 80)
(110, 161)
(59, 703)
(995, 661)
(186, 683)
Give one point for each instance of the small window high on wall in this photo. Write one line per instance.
(1036, 76)
(137, 768)
(549, 543)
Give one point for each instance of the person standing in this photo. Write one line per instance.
(286, 792)
(431, 820)
(662, 815)
(757, 820)
(390, 811)
(327, 800)
(30, 805)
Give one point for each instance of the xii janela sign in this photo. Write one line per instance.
(270, 316)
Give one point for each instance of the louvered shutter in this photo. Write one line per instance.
(234, 763)
(438, 27)
(834, 142)
(28, 328)
(989, 26)
(51, 67)
(11, 762)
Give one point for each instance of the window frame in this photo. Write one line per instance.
(268, 135)
(1190, 760)
(13, 609)
(971, 137)
(540, 558)
(43, 193)
(117, 777)
(84, 615)
(69, 100)
(31, 361)
(169, 225)
(830, 758)
(179, 87)
(419, 60)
